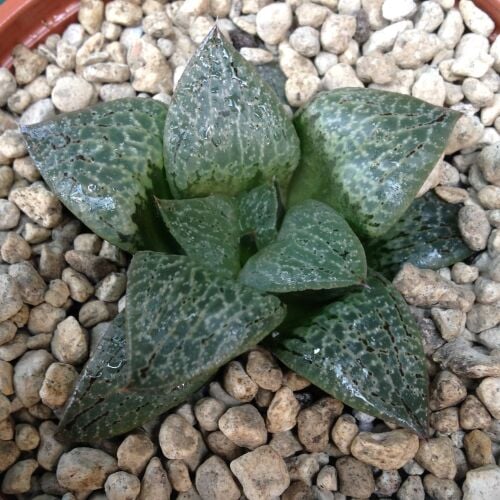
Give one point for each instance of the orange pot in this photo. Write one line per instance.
(31, 21)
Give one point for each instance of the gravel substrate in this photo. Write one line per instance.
(260, 431)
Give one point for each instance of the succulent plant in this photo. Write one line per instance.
(248, 226)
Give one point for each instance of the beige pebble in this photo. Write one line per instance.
(17, 479)
(27, 437)
(214, 480)
(134, 453)
(262, 473)
(178, 439)
(282, 412)
(263, 370)
(58, 384)
(155, 484)
(178, 473)
(488, 392)
(84, 469)
(223, 446)
(436, 455)
(355, 478)
(344, 431)
(478, 449)
(244, 426)
(122, 486)
(314, 423)
(238, 384)
(386, 450)
(207, 412)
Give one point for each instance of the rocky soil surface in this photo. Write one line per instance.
(260, 431)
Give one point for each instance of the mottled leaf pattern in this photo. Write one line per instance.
(105, 163)
(185, 321)
(271, 73)
(259, 213)
(366, 153)
(226, 131)
(101, 406)
(206, 229)
(316, 249)
(427, 236)
(365, 350)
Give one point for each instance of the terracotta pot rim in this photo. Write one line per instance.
(31, 21)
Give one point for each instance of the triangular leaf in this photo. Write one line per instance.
(105, 163)
(427, 236)
(185, 321)
(259, 214)
(101, 406)
(365, 350)
(206, 229)
(226, 131)
(366, 153)
(316, 249)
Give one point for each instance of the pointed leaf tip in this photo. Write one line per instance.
(185, 321)
(366, 350)
(105, 163)
(367, 152)
(226, 131)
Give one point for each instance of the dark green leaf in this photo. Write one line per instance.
(185, 321)
(427, 236)
(259, 214)
(207, 230)
(365, 350)
(105, 163)
(271, 73)
(316, 249)
(226, 131)
(101, 406)
(366, 153)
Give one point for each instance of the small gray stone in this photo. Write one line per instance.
(9, 215)
(214, 480)
(207, 412)
(10, 297)
(355, 478)
(31, 285)
(111, 288)
(72, 93)
(29, 374)
(17, 479)
(50, 448)
(122, 486)
(411, 489)
(155, 483)
(8, 85)
(482, 483)
(38, 112)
